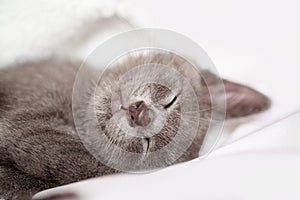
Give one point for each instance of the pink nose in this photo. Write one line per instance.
(139, 113)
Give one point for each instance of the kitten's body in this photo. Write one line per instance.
(39, 147)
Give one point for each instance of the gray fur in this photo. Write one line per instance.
(39, 147)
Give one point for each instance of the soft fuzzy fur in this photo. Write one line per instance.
(39, 145)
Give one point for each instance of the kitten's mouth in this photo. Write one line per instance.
(147, 145)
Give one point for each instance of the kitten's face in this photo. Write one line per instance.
(146, 121)
(141, 107)
(155, 109)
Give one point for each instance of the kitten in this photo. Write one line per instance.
(41, 148)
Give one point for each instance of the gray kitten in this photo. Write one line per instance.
(40, 147)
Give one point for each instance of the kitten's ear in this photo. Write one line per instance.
(241, 100)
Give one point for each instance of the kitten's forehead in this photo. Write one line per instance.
(158, 67)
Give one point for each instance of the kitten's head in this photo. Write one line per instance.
(154, 109)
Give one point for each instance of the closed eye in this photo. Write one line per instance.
(171, 103)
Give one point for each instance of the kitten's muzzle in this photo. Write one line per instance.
(139, 113)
